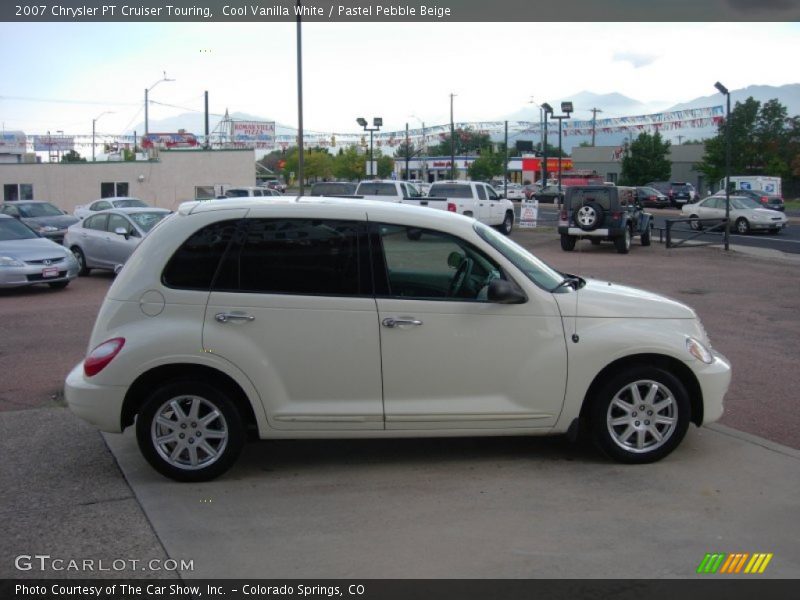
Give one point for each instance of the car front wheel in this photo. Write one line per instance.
(742, 226)
(623, 242)
(641, 415)
(568, 242)
(83, 270)
(190, 431)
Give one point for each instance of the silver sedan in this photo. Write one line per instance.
(106, 239)
(746, 214)
(28, 259)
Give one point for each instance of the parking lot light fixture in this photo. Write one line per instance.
(566, 108)
(377, 124)
(147, 101)
(723, 90)
(548, 110)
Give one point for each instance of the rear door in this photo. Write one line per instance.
(90, 238)
(293, 308)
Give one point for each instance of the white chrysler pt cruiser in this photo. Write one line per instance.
(322, 317)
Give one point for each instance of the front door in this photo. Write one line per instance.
(292, 308)
(453, 360)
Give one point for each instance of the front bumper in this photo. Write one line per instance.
(11, 277)
(100, 405)
(714, 380)
(767, 225)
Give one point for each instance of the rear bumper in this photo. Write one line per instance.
(100, 405)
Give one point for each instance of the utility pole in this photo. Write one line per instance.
(300, 135)
(594, 122)
(680, 139)
(452, 141)
(408, 153)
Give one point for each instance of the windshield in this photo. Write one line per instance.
(11, 229)
(146, 220)
(38, 209)
(534, 269)
(129, 203)
(744, 203)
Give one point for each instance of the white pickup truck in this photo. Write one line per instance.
(469, 198)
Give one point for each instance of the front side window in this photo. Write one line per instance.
(38, 209)
(117, 221)
(97, 222)
(11, 229)
(299, 256)
(430, 265)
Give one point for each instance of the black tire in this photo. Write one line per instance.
(568, 242)
(696, 225)
(623, 242)
(595, 241)
(626, 433)
(58, 285)
(646, 234)
(225, 429)
(742, 226)
(507, 225)
(83, 270)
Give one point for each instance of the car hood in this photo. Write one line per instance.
(32, 249)
(59, 221)
(602, 299)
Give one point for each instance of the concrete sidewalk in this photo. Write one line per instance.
(476, 508)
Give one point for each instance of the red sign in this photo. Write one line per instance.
(535, 164)
(281, 164)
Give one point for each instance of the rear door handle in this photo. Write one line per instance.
(391, 322)
(225, 317)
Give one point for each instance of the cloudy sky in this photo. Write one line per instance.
(63, 75)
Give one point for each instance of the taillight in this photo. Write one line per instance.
(102, 355)
(764, 200)
(563, 215)
(451, 207)
(616, 215)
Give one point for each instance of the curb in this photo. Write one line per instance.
(755, 440)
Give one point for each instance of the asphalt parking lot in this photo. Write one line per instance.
(510, 507)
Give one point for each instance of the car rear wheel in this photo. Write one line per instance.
(623, 242)
(190, 431)
(641, 415)
(742, 226)
(695, 224)
(83, 270)
(645, 237)
(508, 223)
(568, 242)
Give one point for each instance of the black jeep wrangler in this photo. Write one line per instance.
(603, 212)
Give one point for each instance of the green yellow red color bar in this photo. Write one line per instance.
(734, 563)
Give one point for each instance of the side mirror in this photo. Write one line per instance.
(123, 232)
(502, 291)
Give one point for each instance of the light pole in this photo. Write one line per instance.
(423, 150)
(541, 121)
(107, 112)
(146, 101)
(377, 122)
(452, 141)
(547, 110)
(723, 90)
(566, 108)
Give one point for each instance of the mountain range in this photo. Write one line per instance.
(611, 105)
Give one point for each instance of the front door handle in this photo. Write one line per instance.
(391, 322)
(225, 317)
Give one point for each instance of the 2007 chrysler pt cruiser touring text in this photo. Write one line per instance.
(327, 317)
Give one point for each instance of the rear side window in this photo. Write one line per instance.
(369, 188)
(601, 196)
(194, 264)
(299, 256)
(445, 190)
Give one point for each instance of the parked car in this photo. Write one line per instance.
(84, 210)
(270, 317)
(273, 183)
(333, 188)
(678, 192)
(514, 192)
(29, 259)
(106, 239)
(651, 198)
(253, 191)
(770, 201)
(530, 189)
(746, 214)
(44, 218)
(603, 212)
(550, 195)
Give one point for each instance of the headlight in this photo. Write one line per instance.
(10, 261)
(46, 228)
(698, 350)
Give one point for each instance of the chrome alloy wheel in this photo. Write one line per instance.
(189, 432)
(642, 416)
(586, 217)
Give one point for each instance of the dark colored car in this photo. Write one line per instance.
(333, 188)
(651, 197)
(678, 192)
(766, 200)
(44, 218)
(550, 195)
(603, 212)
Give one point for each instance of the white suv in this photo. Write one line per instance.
(324, 317)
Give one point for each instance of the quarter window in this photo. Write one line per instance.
(195, 263)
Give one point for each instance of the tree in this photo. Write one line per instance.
(317, 163)
(349, 164)
(646, 160)
(72, 157)
(487, 165)
(466, 141)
